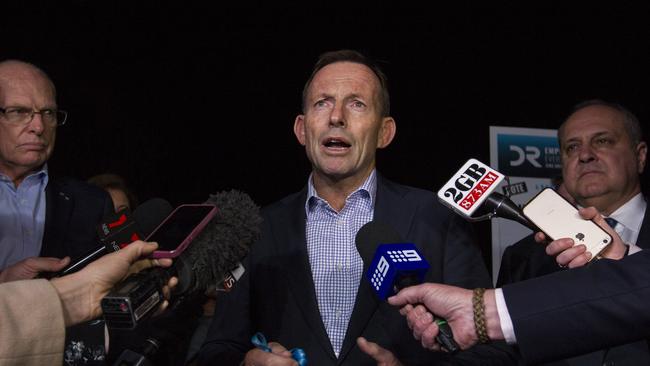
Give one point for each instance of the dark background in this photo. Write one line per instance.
(186, 99)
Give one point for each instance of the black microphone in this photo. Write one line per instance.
(208, 260)
(391, 265)
(120, 229)
(499, 205)
(472, 190)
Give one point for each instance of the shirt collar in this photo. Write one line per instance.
(631, 213)
(41, 176)
(369, 187)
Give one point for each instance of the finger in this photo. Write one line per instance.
(378, 353)
(404, 310)
(600, 221)
(558, 246)
(257, 356)
(62, 263)
(418, 320)
(162, 262)
(580, 260)
(428, 337)
(166, 292)
(422, 323)
(540, 237)
(161, 308)
(279, 349)
(589, 213)
(564, 258)
(46, 264)
(409, 295)
(138, 249)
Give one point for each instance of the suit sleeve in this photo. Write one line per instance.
(31, 323)
(581, 310)
(228, 338)
(463, 263)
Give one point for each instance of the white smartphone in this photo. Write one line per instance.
(558, 219)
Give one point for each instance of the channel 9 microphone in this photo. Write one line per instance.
(212, 258)
(471, 190)
(391, 265)
(120, 229)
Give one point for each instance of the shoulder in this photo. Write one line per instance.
(424, 203)
(288, 204)
(77, 188)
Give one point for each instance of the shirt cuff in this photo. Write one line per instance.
(633, 248)
(504, 317)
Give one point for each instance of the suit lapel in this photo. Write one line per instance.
(291, 233)
(389, 200)
(643, 240)
(58, 208)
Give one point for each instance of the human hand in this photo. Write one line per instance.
(30, 267)
(383, 356)
(569, 255)
(279, 356)
(451, 303)
(81, 292)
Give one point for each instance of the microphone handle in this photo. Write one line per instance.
(445, 337)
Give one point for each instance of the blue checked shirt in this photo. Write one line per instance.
(335, 262)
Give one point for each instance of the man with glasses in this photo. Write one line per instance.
(43, 220)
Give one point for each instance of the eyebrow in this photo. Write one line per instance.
(597, 134)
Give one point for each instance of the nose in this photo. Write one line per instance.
(337, 118)
(37, 125)
(586, 154)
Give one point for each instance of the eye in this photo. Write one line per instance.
(19, 111)
(321, 103)
(570, 148)
(603, 141)
(358, 104)
(48, 112)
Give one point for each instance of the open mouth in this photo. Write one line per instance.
(334, 142)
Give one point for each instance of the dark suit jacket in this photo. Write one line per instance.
(73, 211)
(527, 259)
(581, 310)
(276, 295)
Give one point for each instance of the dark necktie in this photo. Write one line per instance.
(611, 222)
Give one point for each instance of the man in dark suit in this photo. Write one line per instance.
(304, 286)
(603, 155)
(43, 219)
(550, 317)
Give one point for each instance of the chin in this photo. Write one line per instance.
(592, 191)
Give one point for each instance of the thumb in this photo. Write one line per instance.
(138, 249)
(381, 355)
(409, 295)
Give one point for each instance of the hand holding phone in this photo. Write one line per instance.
(558, 218)
(178, 230)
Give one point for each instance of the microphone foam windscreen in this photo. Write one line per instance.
(371, 235)
(226, 239)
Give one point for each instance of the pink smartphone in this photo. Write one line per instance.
(178, 230)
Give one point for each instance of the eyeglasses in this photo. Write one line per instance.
(23, 116)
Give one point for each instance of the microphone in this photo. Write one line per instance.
(120, 229)
(471, 189)
(396, 265)
(213, 257)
